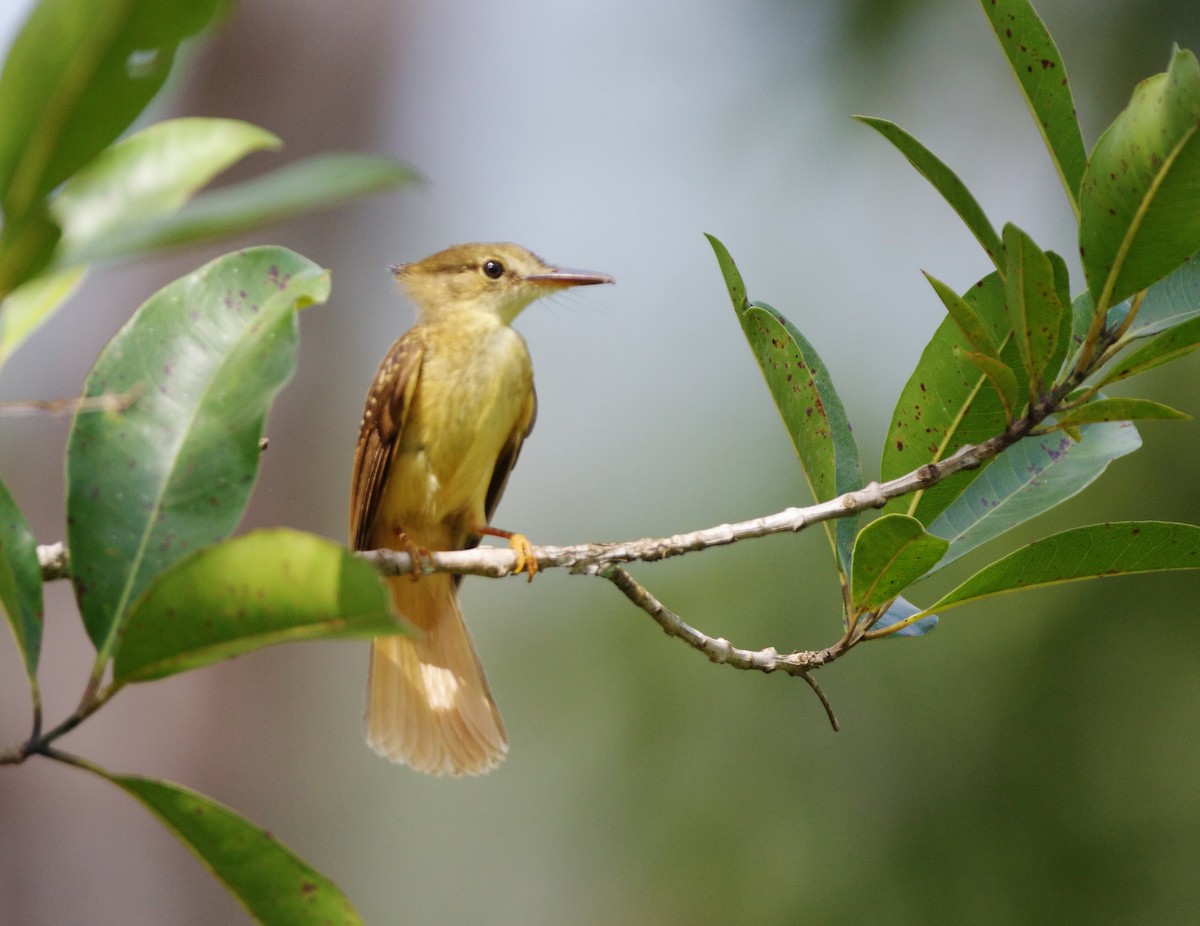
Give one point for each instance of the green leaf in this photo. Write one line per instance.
(1002, 379)
(977, 333)
(1140, 200)
(23, 312)
(810, 407)
(76, 76)
(1091, 552)
(147, 176)
(1063, 344)
(299, 188)
(890, 554)
(947, 402)
(1117, 410)
(1033, 305)
(1170, 345)
(946, 182)
(1028, 479)
(20, 583)
(147, 486)
(275, 886)
(27, 244)
(1038, 67)
(268, 587)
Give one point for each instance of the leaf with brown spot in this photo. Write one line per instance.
(812, 412)
(1093, 551)
(275, 886)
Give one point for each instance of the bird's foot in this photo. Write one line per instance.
(526, 560)
(417, 553)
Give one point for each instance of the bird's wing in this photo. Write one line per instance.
(388, 404)
(508, 455)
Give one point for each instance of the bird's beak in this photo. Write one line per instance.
(564, 278)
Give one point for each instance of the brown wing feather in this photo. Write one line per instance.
(508, 456)
(388, 402)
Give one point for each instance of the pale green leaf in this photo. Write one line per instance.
(268, 587)
(890, 554)
(32, 304)
(297, 189)
(1027, 480)
(149, 175)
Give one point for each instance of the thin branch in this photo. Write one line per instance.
(720, 650)
(109, 402)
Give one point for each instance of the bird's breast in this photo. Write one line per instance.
(473, 389)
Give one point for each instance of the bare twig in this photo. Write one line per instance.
(109, 402)
(720, 650)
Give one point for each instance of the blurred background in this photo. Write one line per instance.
(1034, 760)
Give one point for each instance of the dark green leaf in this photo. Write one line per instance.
(75, 78)
(890, 554)
(172, 473)
(297, 189)
(270, 881)
(947, 402)
(1091, 552)
(1038, 66)
(22, 313)
(20, 583)
(1033, 306)
(1116, 410)
(1062, 288)
(946, 182)
(268, 587)
(148, 176)
(27, 244)
(1028, 479)
(1170, 345)
(803, 392)
(1140, 199)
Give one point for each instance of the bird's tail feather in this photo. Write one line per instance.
(428, 703)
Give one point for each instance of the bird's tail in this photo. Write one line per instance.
(428, 703)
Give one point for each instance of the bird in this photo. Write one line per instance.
(444, 421)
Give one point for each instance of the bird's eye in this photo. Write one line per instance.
(493, 269)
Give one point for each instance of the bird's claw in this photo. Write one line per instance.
(526, 559)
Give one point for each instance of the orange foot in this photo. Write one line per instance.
(526, 560)
(417, 553)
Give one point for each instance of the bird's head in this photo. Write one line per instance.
(500, 279)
